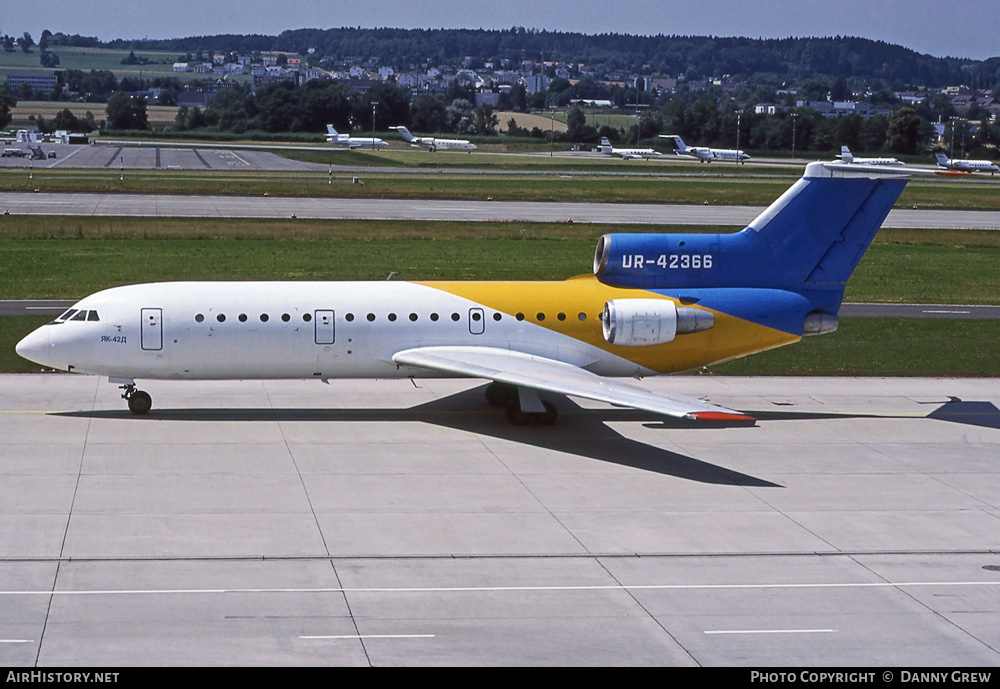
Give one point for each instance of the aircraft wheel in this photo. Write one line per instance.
(139, 402)
(499, 394)
(547, 417)
(514, 413)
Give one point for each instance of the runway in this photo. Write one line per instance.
(180, 206)
(393, 523)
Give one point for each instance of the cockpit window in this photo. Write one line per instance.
(66, 316)
(92, 316)
(79, 316)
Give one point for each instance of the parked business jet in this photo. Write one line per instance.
(335, 137)
(847, 157)
(705, 154)
(628, 153)
(960, 165)
(432, 143)
(655, 303)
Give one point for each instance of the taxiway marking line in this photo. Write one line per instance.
(502, 589)
(771, 631)
(368, 636)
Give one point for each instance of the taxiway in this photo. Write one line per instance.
(406, 523)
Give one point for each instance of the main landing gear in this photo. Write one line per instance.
(522, 404)
(139, 401)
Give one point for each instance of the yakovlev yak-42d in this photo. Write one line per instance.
(655, 303)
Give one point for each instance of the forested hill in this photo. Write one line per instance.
(696, 57)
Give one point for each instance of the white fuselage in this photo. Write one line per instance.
(267, 330)
(433, 144)
(970, 165)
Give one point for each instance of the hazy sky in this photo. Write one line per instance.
(940, 28)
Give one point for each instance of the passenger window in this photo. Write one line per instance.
(455, 316)
(243, 318)
(519, 316)
(497, 316)
(561, 316)
(370, 317)
(582, 316)
(392, 318)
(307, 317)
(264, 318)
(198, 318)
(540, 316)
(349, 317)
(434, 317)
(285, 317)
(221, 318)
(413, 317)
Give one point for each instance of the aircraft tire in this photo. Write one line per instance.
(515, 415)
(547, 417)
(139, 402)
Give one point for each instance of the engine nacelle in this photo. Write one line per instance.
(818, 323)
(644, 322)
(663, 261)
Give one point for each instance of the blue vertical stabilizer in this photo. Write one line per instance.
(808, 242)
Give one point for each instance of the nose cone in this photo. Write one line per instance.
(35, 347)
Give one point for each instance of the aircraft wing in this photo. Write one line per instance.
(540, 373)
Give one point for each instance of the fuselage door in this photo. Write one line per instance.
(324, 327)
(477, 321)
(151, 330)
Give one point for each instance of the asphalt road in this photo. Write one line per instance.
(164, 205)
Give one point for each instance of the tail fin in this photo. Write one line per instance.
(807, 242)
(846, 155)
(606, 146)
(942, 159)
(404, 132)
(678, 142)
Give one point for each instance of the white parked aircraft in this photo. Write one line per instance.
(628, 153)
(656, 303)
(847, 157)
(335, 137)
(704, 154)
(432, 143)
(960, 165)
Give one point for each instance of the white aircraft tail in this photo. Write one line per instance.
(404, 132)
(678, 142)
(942, 159)
(606, 146)
(846, 155)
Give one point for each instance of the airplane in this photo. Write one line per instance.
(628, 153)
(335, 137)
(960, 165)
(704, 154)
(847, 157)
(654, 304)
(433, 144)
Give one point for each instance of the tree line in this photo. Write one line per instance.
(696, 57)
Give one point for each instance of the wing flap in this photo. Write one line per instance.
(541, 373)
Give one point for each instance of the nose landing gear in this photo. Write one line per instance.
(139, 401)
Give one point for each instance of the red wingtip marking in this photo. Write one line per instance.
(719, 416)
